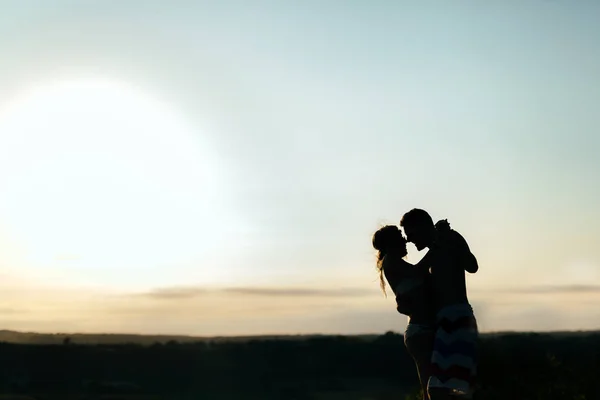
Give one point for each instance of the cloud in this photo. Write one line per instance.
(550, 289)
(300, 292)
(204, 310)
(11, 311)
(191, 292)
(169, 293)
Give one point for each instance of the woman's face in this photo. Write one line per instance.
(400, 242)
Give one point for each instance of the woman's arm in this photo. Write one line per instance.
(403, 305)
(425, 262)
(402, 269)
(429, 260)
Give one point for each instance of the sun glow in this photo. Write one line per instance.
(99, 180)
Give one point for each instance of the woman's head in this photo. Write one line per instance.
(386, 240)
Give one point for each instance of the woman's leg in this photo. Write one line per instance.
(439, 394)
(420, 347)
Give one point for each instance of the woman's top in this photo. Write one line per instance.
(412, 288)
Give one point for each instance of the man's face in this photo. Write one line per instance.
(417, 235)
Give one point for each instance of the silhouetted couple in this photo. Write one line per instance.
(441, 334)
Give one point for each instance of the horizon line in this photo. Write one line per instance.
(166, 335)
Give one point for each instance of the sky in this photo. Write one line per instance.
(219, 168)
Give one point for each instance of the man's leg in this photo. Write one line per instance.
(457, 324)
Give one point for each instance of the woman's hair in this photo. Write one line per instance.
(386, 239)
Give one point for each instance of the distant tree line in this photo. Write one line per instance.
(512, 366)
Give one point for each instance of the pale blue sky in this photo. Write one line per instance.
(323, 120)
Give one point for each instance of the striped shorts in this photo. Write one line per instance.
(454, 357)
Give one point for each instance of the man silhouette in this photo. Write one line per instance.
(448, 258)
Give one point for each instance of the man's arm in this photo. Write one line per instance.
(466, 258)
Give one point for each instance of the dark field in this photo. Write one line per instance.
(512, 366)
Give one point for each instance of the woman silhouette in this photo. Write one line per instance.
(411, 286)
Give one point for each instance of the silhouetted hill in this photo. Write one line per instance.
(9, 336)
(523, 366)
(84, 338)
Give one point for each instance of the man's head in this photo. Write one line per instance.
(418, 228)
